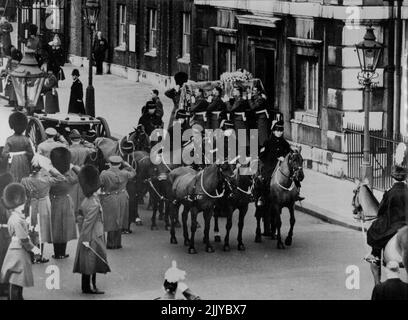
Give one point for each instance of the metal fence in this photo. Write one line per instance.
(382, 151)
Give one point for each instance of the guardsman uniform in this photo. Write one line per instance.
(238, 107)
(18, 148)
(91, 257)
(259, 109)
(199, 112)
(214, 111)
(115, 200)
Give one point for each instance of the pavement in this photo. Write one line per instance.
(120, 101)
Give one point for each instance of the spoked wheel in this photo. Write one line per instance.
(102, 129)
(35, 131)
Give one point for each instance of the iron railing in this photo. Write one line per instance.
(382, 151)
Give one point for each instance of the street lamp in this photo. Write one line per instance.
(28, 80)
(91, 12)
(368, 52)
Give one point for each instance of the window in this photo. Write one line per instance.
(186, 35)
(122, 26)
(152, 44)
(307, 83)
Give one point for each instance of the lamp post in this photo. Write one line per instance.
(368, 51)
(91, 12)
(28, 80)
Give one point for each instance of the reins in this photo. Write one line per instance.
(217, 196)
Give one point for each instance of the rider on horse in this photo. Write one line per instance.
(274, 149)
(149, 119)
(392, 215)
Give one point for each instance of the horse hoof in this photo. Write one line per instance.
(173, 241)
(217, 239)
(258, 239)
(288, 241)
(241, 247)
(192, 251)
(154, 228)
(177, 224)
(186, 243)
(227, 248)
(281, 246)
(210, 249)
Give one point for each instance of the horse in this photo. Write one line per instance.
(241, 194)
(365, 208)
(197, 191)
(283, 193)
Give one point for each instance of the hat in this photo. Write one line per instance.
(89, 181)
(51, 132)
(393, 266)
(399, 173)
(174, 274)
(115, 159)
(277, 124)
(18, 122)
(75, 72)
(61, 159)
(14, 195)
(181, 78)
(75, 135)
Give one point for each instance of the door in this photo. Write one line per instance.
(265, 71)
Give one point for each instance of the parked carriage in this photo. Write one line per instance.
(38, 123)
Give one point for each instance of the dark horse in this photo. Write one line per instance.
(197, 191)
(241, 188)
(365, 208)
(283, 193)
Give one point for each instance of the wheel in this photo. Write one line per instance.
(102, 129)
(35, 131)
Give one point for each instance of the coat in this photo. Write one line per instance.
(273, 149)
(159, 108)
(217, 105)
(174, 95)
(38, 189)
(51, 95)
(78, 156)
(76, 103)
(63, 222)
(4, 234)
(115, 199)
(5, 30)
(45, 148)
(19, 164)
(260, 118)
(392, 289)
(199, 106)
(17, 267)
(91, 230)
(99, 48)
(150, 122)
(392, 215)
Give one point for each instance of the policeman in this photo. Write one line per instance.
(54, 140)
(392, 215)
(199, 108)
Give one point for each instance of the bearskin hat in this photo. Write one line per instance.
(18, 122)
(14, 195)
(181, 78)
(399, 173)
(61, 159)
(89, 180)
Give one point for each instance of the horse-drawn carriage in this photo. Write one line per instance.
(63, 123)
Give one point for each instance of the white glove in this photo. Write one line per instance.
(36, 251)
(86, 243)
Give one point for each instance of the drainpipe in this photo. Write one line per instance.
(398, 69)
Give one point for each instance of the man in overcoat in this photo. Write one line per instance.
(54, 140)
(76, 103)
(100, 46)
(392, 216)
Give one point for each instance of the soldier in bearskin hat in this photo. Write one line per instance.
(90, 257)
(174, 94)
(17, 268)
(392, 215)
(63, 226)
(18, 148)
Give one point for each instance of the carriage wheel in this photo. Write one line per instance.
(35, 131)
(102, 129)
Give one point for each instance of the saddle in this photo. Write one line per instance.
(183, 180)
